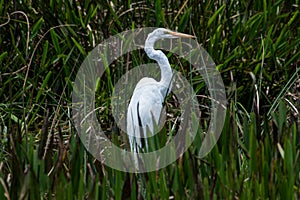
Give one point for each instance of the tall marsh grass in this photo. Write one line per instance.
(255, 45)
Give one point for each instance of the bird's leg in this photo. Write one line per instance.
(142, 192)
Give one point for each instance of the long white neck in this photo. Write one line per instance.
(162, 61)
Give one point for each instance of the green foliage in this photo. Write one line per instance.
(255, 46)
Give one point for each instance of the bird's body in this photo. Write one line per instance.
(145, 107)
(146, 103)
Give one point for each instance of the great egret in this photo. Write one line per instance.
(147, 100)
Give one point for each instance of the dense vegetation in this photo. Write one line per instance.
(255, 45)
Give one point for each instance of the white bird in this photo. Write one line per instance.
(148, 96)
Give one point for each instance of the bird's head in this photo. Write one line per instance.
(160, 33)
(157, 34)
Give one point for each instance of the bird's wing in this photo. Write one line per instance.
(150, 107)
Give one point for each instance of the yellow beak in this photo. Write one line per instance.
(182, 35)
